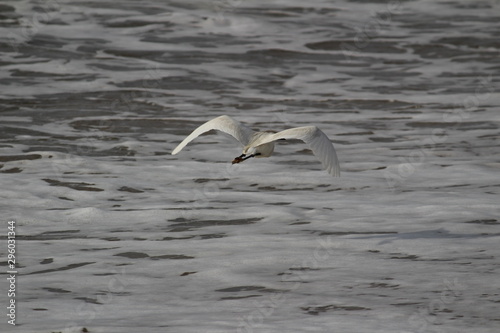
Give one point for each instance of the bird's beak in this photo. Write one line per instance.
(238, 159)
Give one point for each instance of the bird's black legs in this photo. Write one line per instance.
(247, 157)
(243, 157)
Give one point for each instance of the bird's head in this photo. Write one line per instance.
(239, 159)
(247, 153)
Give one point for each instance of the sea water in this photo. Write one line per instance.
(114, 234)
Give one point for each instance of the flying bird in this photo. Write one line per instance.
(261, 144)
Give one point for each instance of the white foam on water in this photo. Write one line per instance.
(117, 235)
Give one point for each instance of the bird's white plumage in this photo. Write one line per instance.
(224, 124)
(261, 144)
(318, 142)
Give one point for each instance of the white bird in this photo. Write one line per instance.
(261, 144)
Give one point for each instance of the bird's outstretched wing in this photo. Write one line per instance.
(224, 124)
(317, 141)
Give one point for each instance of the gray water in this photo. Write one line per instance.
(114, 234)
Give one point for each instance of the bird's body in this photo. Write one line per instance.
(261, 144)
